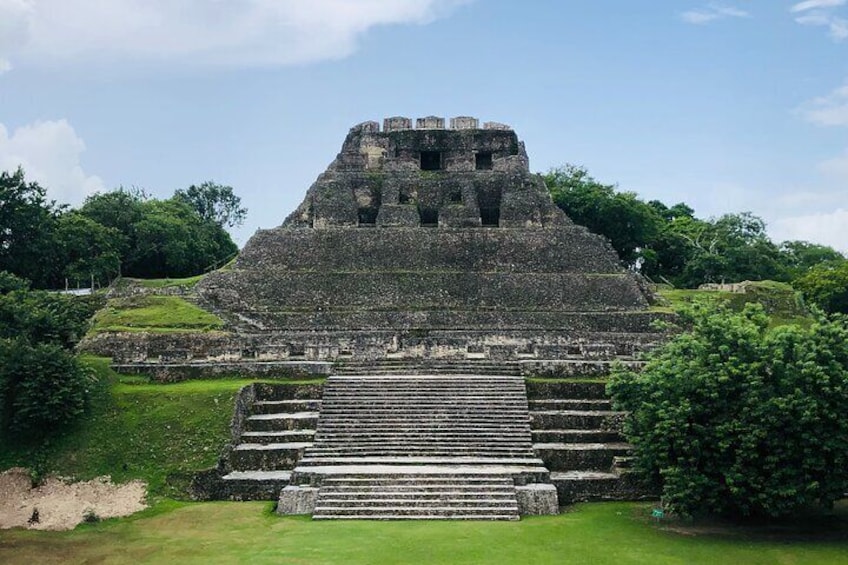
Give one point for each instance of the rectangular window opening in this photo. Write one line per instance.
(490, 217)
(368, 216)
(429, 217)
(431, 160)
(483, 161)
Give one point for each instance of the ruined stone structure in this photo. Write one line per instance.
(421, 251)
(435, 246)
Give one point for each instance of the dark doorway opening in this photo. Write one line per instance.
(429, 217)
(483, 161)
(490, 217)
(431, 160)
(368, 216)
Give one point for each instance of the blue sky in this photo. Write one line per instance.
(727, 106)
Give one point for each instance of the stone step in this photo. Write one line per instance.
(280, 422)
(580, 456)
(583, 486)
(386, 514)
(575, 436)
(583, 419)
(285, 406)
(571, 404)
(267, 457)
(253, 485)
(553, 389)
(503, 461)
(304, 435)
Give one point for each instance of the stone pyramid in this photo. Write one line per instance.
(430, 243)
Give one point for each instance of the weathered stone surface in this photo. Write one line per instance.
(297, 500)
(430, 230)
(537, 499)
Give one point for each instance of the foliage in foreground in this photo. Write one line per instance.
(42, 386)
(737, 419)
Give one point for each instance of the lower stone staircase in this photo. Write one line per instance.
(272, 427)
(425, 447)
(578, 436)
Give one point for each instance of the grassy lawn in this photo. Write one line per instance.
(154, 432)
(154, 314)
(618, 533)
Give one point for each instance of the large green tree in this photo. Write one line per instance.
(826, 285)
(27, 225)
(735, 418)
(214, 203)
(629, 223)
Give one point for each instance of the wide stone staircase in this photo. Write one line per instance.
(423, 447)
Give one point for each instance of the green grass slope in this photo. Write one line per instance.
(616, 533)
(134, 430)
(153, 313)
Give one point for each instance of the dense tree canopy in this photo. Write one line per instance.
(826, 285)
(738, 419)
(119, 232)
(669, 244)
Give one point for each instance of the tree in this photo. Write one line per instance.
(158, 238)
(27, 224)
(214, 203)
(799, 256)
(42, 386)
(735, 418)
(171, 240)
(826, 285)
(88, 249)
(733, 248)
(629, 223)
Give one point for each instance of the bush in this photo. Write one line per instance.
(737, 419)
(42, 388)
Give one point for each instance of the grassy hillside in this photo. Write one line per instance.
(157, 433)
(154, 313)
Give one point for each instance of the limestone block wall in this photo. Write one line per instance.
(554, 250)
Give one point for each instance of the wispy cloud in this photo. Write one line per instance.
(712, 12)
(828, 110)
(822, 13)
(234, 33)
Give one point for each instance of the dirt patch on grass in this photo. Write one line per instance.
(62, 505)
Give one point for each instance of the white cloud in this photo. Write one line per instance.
(815, 4)
(49, 153)
(828, 110)
(821, 13)
(828, 228)
(712, 12)
(200, 32)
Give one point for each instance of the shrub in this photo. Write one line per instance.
(737, 419)
(42, 388)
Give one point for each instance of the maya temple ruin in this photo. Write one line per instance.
(428, 276)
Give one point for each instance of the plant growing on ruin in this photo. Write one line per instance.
(737, 419)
